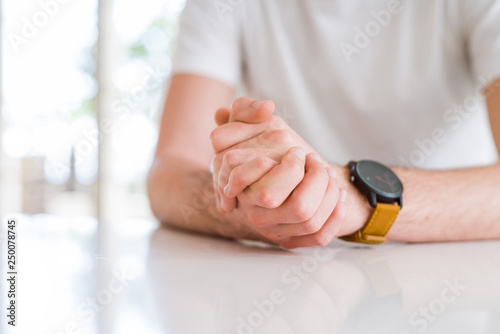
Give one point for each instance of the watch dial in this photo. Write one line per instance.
(380, 178)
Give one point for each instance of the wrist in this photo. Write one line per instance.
(358, 208)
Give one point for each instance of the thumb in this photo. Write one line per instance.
(222, 116)
(248, 110)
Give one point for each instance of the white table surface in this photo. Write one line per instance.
(131, 277)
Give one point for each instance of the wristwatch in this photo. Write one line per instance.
(384, 191)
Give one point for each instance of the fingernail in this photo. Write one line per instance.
(226, 189)
(300, 153)
(316, 157)
(257, 104)
(332, 173)
(343, 195)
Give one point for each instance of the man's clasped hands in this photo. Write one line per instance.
(266, 175)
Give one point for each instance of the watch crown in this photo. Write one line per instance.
(351, 165)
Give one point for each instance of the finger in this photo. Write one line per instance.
(305, 200)
(311, 214)
(268, 132)
(233, 133)
(222, 116)
(216, 189)
(309, 205)
(216, 163)
(327, 232)
(234, 158)
(248, 110)
(227, 204)
(274, 187)
(245, 174)
(313, 223)
(230, 160)
(226, 161)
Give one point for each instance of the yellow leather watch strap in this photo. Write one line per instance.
(379, 223)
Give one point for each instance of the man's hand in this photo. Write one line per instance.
(289, 197)
(248, 143)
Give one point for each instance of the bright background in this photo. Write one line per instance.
(71, 70)
(63, 74)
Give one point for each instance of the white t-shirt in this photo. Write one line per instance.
(396, 82)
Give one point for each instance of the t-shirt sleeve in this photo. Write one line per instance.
(482, 18)
(208, 42)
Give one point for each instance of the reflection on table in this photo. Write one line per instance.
(207, 285)
(127, 277)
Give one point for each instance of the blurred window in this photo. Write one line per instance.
(63, 90)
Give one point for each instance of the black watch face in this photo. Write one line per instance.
(379, 178)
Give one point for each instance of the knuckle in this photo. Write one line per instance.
(322, 239)
(263, 163)
(311, 227)
(230, 158)
(240, 102)
(236, 178)
(276, 122)
(236, 175)
(303, 212)
(266, 198)
(280, 136)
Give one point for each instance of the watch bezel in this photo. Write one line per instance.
(374, 195)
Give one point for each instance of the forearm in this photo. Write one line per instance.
(181, 195)
(437, 205)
